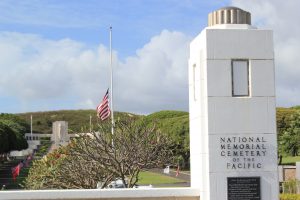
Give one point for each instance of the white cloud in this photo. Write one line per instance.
(156, 78)
(33, 68)
(282, 17)
(54, 73)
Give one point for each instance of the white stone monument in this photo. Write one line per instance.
(60, 133)
(167, 170)
(232, 109)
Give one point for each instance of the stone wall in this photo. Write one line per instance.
(289, 173)
(105, 194)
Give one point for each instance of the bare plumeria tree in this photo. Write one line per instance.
(103, 157)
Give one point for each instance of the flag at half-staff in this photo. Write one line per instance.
(103, 110)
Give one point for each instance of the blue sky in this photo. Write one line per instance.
(55, 54)
(134, 21)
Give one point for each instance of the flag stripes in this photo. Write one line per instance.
(103, 110)
(15, 171)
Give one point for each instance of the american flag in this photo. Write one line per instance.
(103, 110)
(16, 171)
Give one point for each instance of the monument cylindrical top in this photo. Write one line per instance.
(229, 15)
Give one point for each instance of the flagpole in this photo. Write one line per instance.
(111, 82)
(31, 126)
(90, 123)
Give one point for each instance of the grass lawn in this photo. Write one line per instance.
(289, 160)
(147, 178)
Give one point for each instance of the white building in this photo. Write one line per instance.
(232, 109)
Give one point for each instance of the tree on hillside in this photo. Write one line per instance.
(17, 137)
(16, 119)
(10, 138)
(7, 140)
(103, 157)
(289, 139)
(283, 118)
(4, 145)
(12, 131)
(176, 125)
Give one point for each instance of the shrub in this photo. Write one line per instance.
(291, 187)
(289, 196)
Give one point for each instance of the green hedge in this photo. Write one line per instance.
(289, 196)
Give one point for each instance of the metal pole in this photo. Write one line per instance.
(31, 126)
(111, 82)
(90, 123)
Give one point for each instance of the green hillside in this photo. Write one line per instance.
(283, 116)
(169, 120)
(78, 120)
(174, 123)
